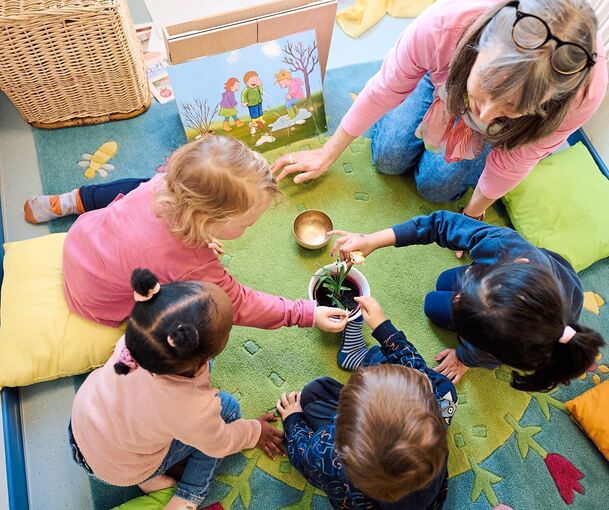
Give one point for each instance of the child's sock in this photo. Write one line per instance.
(43, 208)
(353, 346)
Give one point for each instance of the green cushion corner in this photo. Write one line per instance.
(563, 205)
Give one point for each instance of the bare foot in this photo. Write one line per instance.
(176, 503)
(157, 483)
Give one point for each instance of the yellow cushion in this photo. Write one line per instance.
(40, 339)
(589, 410)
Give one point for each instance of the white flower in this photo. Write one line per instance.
(357, 257)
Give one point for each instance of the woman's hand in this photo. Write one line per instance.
(271, 439)
(289, 404)
(332, 320)
(450, 366)
(311, 164)
(308, 165)
(372, 311)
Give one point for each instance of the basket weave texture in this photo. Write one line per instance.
(62, 60)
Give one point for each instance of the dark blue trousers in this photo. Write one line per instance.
(98, 196)
(438, 308)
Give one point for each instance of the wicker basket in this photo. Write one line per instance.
(71, 62)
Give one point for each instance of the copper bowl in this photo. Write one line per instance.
(311, 229)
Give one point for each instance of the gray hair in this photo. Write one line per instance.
(525, 75)
(542, 95)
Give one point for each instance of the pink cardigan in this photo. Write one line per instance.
(427, 46)
(103, 247)
(124, 424)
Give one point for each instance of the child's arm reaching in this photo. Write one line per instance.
(487, 243)
(210, 434)
(261, 310)
(394, 345)
(396, 349)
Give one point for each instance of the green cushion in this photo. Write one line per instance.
(563, 205)
(153, 501)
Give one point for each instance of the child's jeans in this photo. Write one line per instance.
(200, 468)
(98, 196)
(438, 308)
(396, 150)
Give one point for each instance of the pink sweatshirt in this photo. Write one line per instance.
(295, 89)
(103, 247)
(124, 424)
(427, 46)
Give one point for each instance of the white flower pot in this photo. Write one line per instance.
(354, 275)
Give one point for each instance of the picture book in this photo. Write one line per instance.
(267, 95)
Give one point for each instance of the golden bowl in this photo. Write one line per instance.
(311, 228)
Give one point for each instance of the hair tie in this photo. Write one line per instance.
(126, 359)
(567, 334)
(140, 297)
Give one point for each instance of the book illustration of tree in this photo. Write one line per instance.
(199, 115)
(301, 58)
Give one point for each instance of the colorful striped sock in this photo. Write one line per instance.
(43, 208)
(353, 346)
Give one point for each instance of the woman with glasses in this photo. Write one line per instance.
(473, 94)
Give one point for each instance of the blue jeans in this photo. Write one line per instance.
(255, 111)
(396, 150)
(438, 308)
(200, 468)
(98, 196)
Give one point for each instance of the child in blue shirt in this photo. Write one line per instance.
(379, 442)
(516, 304)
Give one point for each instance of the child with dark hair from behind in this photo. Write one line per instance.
(152, 405)
(379, 442)
(516, 304)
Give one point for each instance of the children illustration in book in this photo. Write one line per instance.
(294, 94)
(228, 104)
(267, 94)
(252, 97)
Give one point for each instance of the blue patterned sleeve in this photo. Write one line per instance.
(399, 351)
(396, 347)
(312, 454)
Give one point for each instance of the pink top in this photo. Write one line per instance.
(427, 46)
(124, 424)
(103, 247)
(295, 89)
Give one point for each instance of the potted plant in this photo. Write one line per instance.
(337, 285)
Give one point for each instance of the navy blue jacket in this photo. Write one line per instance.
(488, 244)
(314, 455)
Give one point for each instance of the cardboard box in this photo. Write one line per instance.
(260, 23)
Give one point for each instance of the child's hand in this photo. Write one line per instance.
(271, 438)
(350, 241)
(332, 320)
(216, 246)
(372, 311)
(289, 404)
(244, 104)
(366, 243)
(450, 366)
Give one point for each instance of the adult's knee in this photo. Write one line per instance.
(434, 190)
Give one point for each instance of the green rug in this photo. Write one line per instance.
(500, 440)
